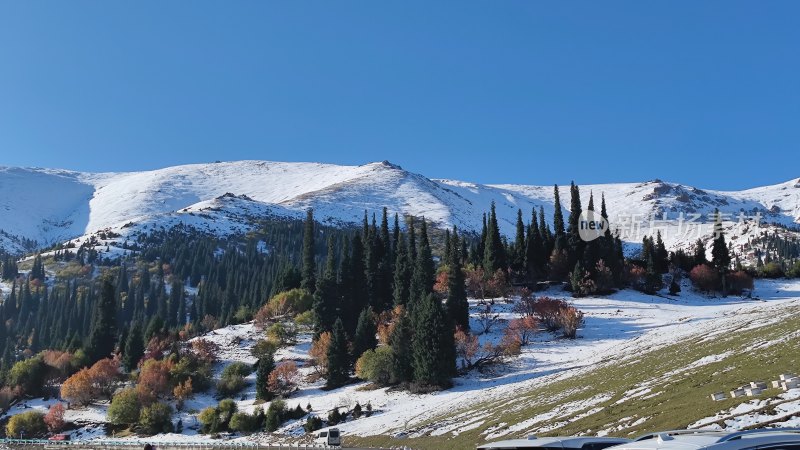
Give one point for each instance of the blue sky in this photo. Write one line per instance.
(704, 93)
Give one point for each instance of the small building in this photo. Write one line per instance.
(791, 384)
(736, 393)
(787, 376)
(718, 396)
(758, 385)
(752, 391)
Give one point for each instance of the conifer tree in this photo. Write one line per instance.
(395, 235)
(309, 264)
(494, 257)
(457, 305)
(448, 248)
(265, 366)
(699, 252)
(403, 270)
(358, 299)
(424, 273)
(575, 244)
(660, 254)
(720, 255)
(432, 360)
(518, 257)
(134, 348)
(480, 250)
(653, 280)
(325, 306)
(558, 220)
(365, 334)
(338, 356)
(400, 342)
(104, 329)
(535, 254)
(576, 278)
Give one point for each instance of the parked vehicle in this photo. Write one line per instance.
(59, 437)
(761, 439)
(331, 437)
(556, 443)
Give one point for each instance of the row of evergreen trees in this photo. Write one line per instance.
(376, 271)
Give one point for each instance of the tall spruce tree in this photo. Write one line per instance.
(518, 257)
(309, 280)
(134, 348)
(720, 255)
(103, 337)
(325, 306)
(660, 254)
(400, 342)
(558, 221)
(432, 360)
(457, 305)
(338, 356)
(365, 334)
(265, 366)
(403, 270)
(424, 273)
(494, 257)
(575, 244)
(699, 255)
(535, 254)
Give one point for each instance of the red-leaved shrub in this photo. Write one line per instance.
(704, 278)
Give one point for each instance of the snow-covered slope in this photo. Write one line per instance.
(50, 206)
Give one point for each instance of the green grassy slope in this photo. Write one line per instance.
(680, 377)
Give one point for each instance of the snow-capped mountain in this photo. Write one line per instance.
(48, 206)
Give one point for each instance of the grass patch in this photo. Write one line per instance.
(680, 384)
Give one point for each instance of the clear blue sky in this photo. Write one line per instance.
(700, 92)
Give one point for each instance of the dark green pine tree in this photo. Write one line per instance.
(265, 366)
(699, 255)
(338, 356)
(432, 360)
(395, 235)
(494, 257)
(365, 334)
(309, 264)
(356, 297)
(560, 240)
(134, 348)
(720, 254)
(535, 255)
(400, 342)
(592, 252)
(660, 254)
(477, 260)
(448, 249)
(653, 281)
(647, 248)
(457, 305)
(546, 234)
(103, 337)
(403, 270)
(326, 297)
(575, 244)
(518, 257)
(424, 273)
(412, 240)
(576, 279)
(37, 271)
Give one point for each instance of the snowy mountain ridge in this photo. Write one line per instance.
(52, 205)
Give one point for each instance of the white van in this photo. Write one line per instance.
(330, 437)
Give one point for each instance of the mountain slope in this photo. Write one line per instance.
(50, 206)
